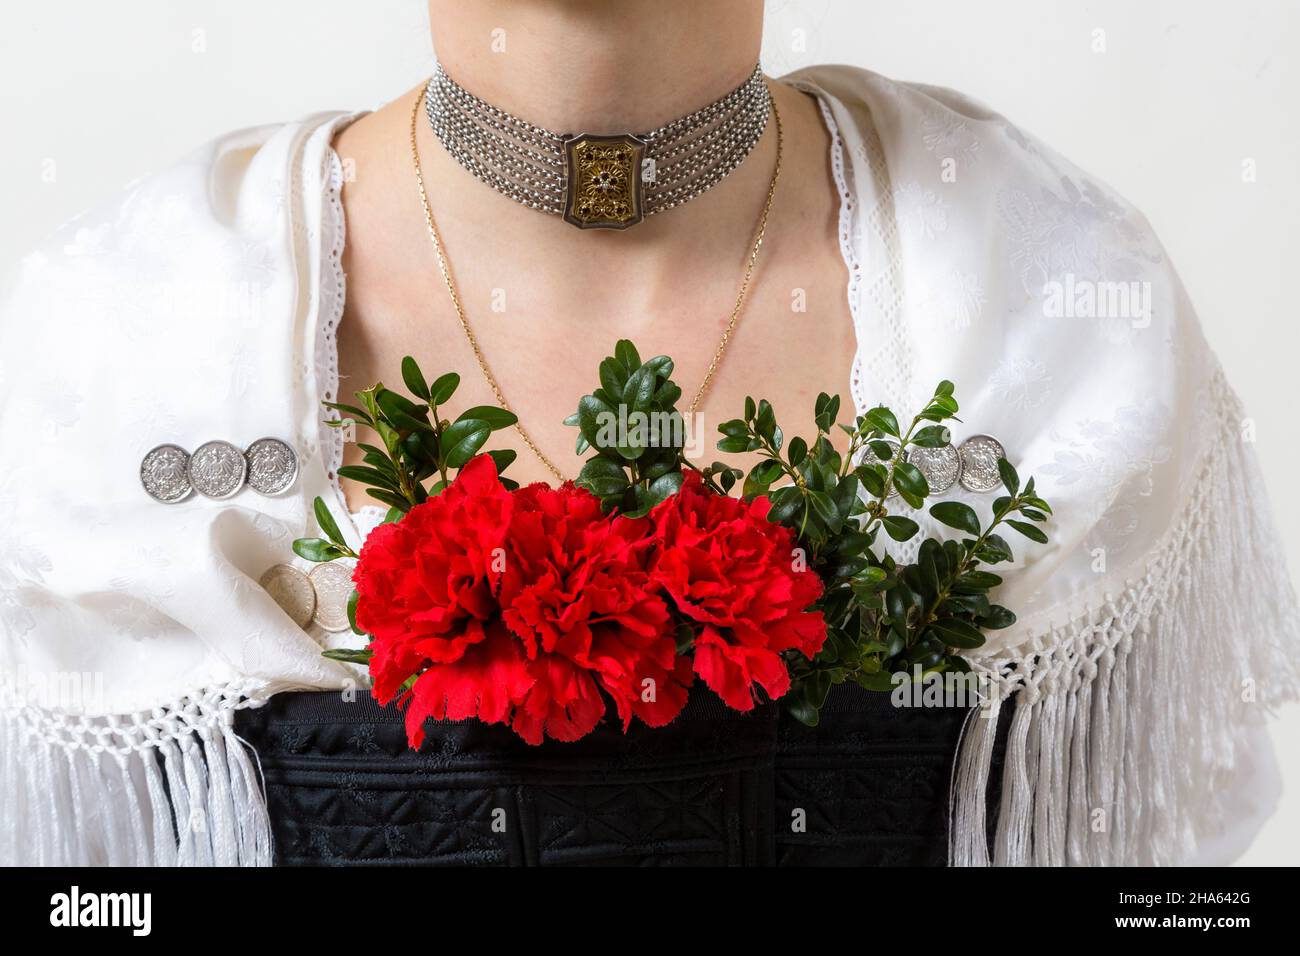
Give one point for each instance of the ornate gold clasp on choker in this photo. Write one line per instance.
(604, 181)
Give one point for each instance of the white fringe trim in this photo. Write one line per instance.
(174, 786)
(1130, 721)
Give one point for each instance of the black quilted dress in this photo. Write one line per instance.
(868, 787)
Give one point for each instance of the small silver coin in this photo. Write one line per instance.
(217, 469)
(293, 591)
(333, 583)
(272, 466)
(164, 472)
(979, 463)
(941, 466)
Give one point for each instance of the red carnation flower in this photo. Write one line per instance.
(426, 587)
(577, 592)
(732, 572)
(517, 608)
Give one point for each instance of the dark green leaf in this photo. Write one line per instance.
(1032, 532)
(787, 506)
(613, 376)
(929, 574)
(871, 479)
(368, 476)
(797, 451)
(897, 600)
(765, 423)
(733, 445)
(883, 450)
(945, 403)
(995, 549)
(823, 505)
(666, 485)
(603, 477)
(395, 405)
(825, 411)
(326, 522)
(870, 579)
(317, 550)
(414, 378)
(461, 442)
(494, 418)
(353, 599)
(352, 410)
(976, 605)
(912, 500)
(444, 386)
(909, 480)
(957, 633)
(640, 386)
(883, 420)
(957, 515)
(932, 436)
(388, 498)
(983, 580)
(997, 618)
(401, 420)
(593, 414)
(899, 528)
(846, 495)
(1038, 503)
(1009, 476)
(626, 353)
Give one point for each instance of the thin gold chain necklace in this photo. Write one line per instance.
(445, 268)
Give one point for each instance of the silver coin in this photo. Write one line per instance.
(333, 583)
(292, 590)
(217, 469)
(941, 466)
(979, 463)
(272, 466)
(164, 472)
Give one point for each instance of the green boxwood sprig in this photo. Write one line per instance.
(418, 456)
(883, 618)
(632, 424)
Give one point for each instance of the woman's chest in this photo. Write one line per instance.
(785, 348)
(535, 344)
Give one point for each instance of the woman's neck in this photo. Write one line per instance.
(594, 65)
(546, 300)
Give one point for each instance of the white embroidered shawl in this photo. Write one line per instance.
(1155, 631)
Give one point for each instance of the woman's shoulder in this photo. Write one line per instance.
(982, 246)
(204, 242)
(987, 258)
(197, 211)
(163, 311)
(992, 232)
(953, 145)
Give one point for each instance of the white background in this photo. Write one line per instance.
(94, 94)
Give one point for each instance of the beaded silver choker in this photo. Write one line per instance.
(598, 181)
